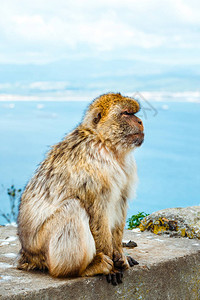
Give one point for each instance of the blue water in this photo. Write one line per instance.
(168, 161)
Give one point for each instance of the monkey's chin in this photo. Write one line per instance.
(138, 139)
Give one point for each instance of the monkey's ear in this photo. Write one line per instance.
(97, 118)
(92, 117)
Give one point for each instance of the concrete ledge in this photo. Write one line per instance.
(169, 269)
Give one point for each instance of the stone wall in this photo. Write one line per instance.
(168, 269)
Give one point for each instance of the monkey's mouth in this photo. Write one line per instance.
(138, 138)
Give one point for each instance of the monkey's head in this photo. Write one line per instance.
(112, 116)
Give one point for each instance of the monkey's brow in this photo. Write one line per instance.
(128, 113)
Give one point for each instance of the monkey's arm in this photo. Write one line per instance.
(118, 230)
(117, 235)
(104, 244)
(102, 235)
(120, 260)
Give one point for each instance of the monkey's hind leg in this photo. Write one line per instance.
(71, 246)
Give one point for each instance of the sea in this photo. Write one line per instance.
(168, 162)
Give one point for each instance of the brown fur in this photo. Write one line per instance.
(72, 212)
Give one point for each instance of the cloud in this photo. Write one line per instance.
(5, 86)
(41, 32)
(48, 85)
(36, 86)
(166, 97)
(187, 12)
(105, 34)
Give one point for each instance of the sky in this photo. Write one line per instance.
(63, 48)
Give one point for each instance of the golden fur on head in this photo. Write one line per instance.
(102, 106)
(73, 211)
(106, 101)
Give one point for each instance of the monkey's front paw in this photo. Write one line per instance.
(120, 261)
(132, 262)
(115, 277)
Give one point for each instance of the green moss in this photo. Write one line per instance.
(135, 220)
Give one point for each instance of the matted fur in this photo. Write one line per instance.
(72, 212)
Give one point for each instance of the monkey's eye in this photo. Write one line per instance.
(126, 113)
(97, 118)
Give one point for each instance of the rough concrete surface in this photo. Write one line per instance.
(179, 221)
(169, 269)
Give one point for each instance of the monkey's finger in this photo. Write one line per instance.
(119, 276)
(108, 277)
(132, 262)
(114, 279)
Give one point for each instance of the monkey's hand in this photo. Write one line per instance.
(120, 261)
(115, 277)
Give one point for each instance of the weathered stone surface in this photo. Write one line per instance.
(184, 222)
(168, 269)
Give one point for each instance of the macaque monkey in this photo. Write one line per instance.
(73, 211)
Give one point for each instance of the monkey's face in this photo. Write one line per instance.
(124, 129)
(132, 127)
(115, 120)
